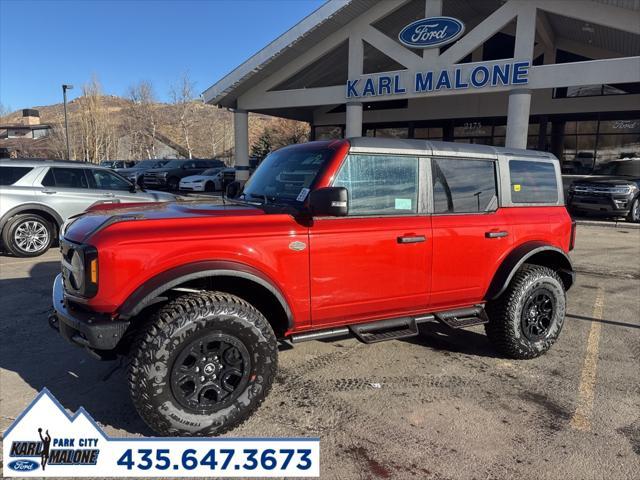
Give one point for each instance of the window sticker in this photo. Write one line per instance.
(403, 204)
(517, 187)
(302, 195)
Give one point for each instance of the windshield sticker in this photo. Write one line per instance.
(302, 195)
(403, 204)
(517, 187)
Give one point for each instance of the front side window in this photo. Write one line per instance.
(10, 175)
(463, 185)
(380, 184)
(65, 178)
(106, 180)
(533, 182)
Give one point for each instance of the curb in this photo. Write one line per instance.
(613, 224)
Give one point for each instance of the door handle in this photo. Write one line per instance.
(109, 195)
(412, 239)
(499, 234)
(48, 192)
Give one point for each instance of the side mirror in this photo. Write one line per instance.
(329, 202)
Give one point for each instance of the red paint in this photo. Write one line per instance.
(353, 269)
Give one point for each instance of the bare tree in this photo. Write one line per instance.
(4, 110)
(182, 96)
(144, 121)
(98, 139)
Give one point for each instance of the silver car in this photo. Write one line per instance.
(37, 196)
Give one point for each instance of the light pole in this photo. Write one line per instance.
(66, 87)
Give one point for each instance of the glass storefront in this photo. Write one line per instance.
(581, 142)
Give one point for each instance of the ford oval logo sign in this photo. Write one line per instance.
(431, 32)
(23, 465)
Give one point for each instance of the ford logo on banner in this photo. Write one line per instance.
(431, 32)
(23, 465)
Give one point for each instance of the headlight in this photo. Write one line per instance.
(621, 189)
(197, 181)
(165, 174)
(80, 269)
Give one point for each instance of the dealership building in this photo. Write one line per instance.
(555, 75)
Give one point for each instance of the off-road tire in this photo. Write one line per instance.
(505, 329)
(634, 213)
(9, 232)
(170, 332)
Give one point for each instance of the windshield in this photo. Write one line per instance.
(287, 174)
(621, 168)
(150, 164)
(211, 172)
(174, 164)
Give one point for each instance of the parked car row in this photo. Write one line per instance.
(38, 196)
(211, 180)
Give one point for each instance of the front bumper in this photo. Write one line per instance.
(601, 204)
(81, 327)
(192, 187)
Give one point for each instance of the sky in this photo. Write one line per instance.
(45, 43)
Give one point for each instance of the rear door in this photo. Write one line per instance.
(375, 262)
(67, 191)
(471, 233)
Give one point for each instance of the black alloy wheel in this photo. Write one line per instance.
(537, 314)
(210, 372)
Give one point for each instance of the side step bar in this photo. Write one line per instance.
(394, 328)
(464, 317)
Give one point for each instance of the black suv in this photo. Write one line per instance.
(170, 174)
(612, 191)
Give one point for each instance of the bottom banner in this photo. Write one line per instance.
(45, 441)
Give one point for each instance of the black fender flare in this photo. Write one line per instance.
(519, 255)
(145, 294)
(31, 206)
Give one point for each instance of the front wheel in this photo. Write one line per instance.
(203, 366)
(27, 235)
(634, 213)
(526, 320)
(173, 183)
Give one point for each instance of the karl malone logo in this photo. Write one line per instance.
(431, 32)
(65, 440)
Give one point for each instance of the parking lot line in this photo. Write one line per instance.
(581, 419)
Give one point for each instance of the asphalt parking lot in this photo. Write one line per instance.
(441, 405)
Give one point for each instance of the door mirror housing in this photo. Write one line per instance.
(329, 202)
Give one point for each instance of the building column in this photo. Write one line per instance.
(354, 120)
(518, 118)
(241, 136)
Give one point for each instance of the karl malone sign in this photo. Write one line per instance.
(465, 76)
(435, 32)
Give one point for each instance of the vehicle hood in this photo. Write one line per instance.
(194, 178)
(80, 228)
(160, 170)
(606, 180)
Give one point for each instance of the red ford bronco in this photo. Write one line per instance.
(365, 237)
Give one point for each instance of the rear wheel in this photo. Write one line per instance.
(525, 321)
(203, 366)
(27, 235)
(634, 213)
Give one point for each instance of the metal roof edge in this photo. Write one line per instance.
(222, 87)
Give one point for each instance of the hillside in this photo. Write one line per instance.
(108, 127)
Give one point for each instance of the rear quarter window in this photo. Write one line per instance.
(533, 182)
(10, 175)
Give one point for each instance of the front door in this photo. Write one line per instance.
(375, 262)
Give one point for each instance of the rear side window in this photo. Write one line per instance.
(380, 184)
(65, 178)
(463, 186)
(533, 182)
(10, 175)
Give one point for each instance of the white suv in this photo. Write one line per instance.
(37, 196)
